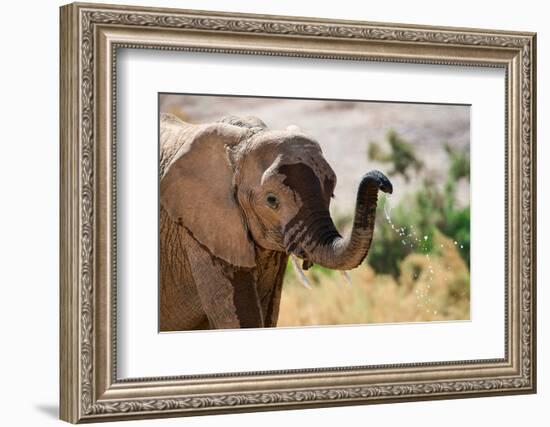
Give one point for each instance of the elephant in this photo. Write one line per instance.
(236, 200)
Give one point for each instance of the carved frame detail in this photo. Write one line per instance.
(84, 397)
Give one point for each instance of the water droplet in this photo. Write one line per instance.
(425, 237)
(461, 247)
(456, 243)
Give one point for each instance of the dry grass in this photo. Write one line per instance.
(430, 287)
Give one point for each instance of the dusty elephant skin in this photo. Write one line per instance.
(236, 200)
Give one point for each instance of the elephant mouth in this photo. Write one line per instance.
(300, 253)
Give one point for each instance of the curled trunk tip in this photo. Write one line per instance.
(346, 253)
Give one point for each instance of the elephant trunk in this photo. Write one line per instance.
(328, 248)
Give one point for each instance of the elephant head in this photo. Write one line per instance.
(236, 185)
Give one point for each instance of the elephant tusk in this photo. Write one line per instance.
(346, 276)
(300, 272)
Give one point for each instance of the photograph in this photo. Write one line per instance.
(288, 212)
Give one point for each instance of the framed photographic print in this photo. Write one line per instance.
(266, 212)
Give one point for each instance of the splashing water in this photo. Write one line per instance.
(410, 238)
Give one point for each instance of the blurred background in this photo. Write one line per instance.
(418, 266)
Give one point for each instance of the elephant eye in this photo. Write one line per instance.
(272, 201)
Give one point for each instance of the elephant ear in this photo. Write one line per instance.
(196, 188)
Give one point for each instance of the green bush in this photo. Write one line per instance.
(415, 220)
(401, 155)
(409, 231)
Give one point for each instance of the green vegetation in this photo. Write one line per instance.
(401, 156)
(419, 215)
(427, 289)
(418, 265)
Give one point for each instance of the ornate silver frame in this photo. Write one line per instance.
(90, 36)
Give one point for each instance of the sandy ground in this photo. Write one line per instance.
(344, 130)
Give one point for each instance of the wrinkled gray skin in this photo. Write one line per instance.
(236, 200)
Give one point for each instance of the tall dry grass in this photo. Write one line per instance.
(430, 287)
